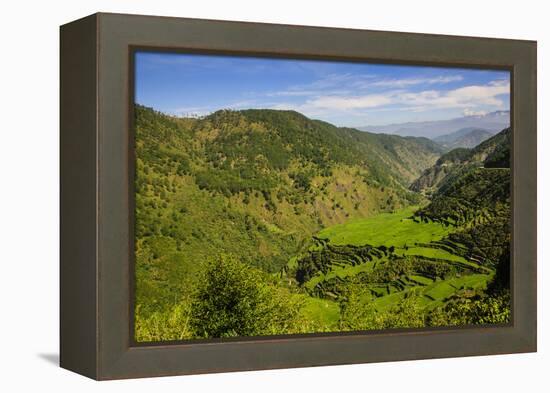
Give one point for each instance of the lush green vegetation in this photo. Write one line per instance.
(491, 153)
(232, 299)
(396, 229)
(263, 222)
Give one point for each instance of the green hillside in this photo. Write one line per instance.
(493, 152)
(246, 214)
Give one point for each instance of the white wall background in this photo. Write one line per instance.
(29, 194)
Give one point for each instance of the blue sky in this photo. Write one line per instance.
(342, 93)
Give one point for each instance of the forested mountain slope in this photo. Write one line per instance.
(476, 197)
(444, 263)
(308, 227)
(493, 152)
(255, 183)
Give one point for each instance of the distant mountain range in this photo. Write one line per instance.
(491, 122)
(465, 137)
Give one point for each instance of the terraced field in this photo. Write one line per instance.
(397, 229)
(393, 256)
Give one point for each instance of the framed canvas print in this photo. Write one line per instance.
(240, 196)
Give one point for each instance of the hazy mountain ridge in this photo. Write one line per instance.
(492, 122)
(466, 137)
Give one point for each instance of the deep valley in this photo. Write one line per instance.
(262, 222)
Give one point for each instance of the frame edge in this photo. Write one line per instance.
(117, 358)
(78, 197)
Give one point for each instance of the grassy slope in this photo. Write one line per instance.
(389, 229)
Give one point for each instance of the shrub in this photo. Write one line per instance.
(358, 314)
(233, 299)
(479, 310)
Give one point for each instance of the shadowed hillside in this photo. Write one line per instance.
(493, 152)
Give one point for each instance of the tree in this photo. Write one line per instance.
(501, 281)
(233, 299)
(358, 313)
(479, 310)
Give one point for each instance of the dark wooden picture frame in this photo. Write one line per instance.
(97, 196)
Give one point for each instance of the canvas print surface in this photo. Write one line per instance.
(284, 196)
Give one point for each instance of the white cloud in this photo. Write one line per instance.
(190, 111)
(463, 97)
(472, 100)
(471, 112)
(344, 83)
(469, 98)
(345, 103)
(334, 80)
(335, 90)
(242, 104)
(304, 93)
(404, 82)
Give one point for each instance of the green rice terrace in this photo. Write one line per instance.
(423, 263)
(264, 222)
